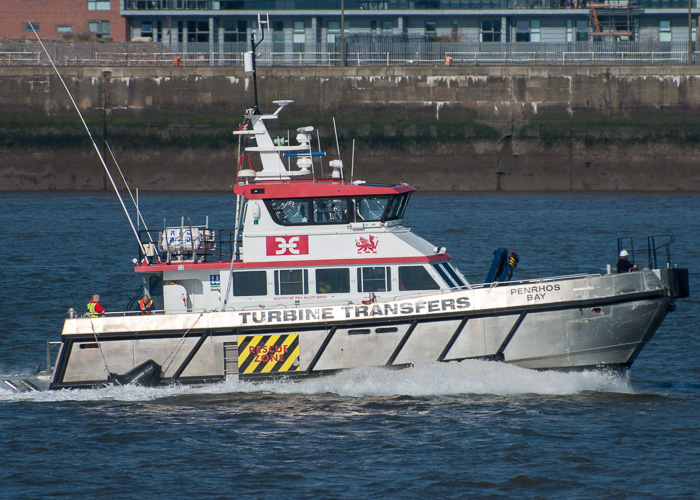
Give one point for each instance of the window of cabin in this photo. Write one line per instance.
(288, 212)
(291, 282)
(416, 278)
(449, 274)
(330, 210)
(374, 279)
(332, 280)
(249, 283)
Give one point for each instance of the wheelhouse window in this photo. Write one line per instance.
(333, 280)
(374, 279)
(289, 212)
(249, 283)
(449, 275)
(416, 278)
(291, 282)
(341, 210)
(330, 210)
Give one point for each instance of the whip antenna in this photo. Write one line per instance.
(97, 149)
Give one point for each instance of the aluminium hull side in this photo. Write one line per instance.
(585, 322)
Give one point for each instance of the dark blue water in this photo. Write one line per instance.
(459, 430)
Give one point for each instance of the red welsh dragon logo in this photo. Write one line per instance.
(367, 245)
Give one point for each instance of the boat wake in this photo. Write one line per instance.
(429, 379)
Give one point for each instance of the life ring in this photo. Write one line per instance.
(240, 162)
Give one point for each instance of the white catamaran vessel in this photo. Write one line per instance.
(319, 274)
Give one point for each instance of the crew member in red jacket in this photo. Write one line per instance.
(94, 308)
(146, 305)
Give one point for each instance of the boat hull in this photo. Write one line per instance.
(576, 323)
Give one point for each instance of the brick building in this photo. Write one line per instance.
(56, 19)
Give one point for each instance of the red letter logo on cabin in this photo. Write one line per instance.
(287, 245)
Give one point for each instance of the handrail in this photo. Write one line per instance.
(653, 248)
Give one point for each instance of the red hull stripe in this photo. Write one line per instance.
(318, 189)
(189, 266)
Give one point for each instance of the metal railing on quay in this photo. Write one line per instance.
(410, 53)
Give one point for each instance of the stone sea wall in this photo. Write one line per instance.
(440, 128)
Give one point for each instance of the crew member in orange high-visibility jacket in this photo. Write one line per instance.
(146, 305)
(94, 308)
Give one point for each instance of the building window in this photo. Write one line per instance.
(664, 31)
(332, 281)
(582, 30)
(333, 31)
(99, 28)
(235, 31)
(198, 31)
(98, 5)
(246, 283)
(291, 282)
(64, 29)
(278, 32)
(535, 30)
(147, 29)
(36, 26)
(527, 31)
(299, 32)
(387, 26)
(430, 30)
(491, 31)
(374, 279)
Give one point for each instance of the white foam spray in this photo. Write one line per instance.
(428, 379)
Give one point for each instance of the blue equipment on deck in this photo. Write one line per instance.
(502, 266)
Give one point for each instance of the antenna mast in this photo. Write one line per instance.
(249, 57)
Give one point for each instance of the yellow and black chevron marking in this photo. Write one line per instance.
(268, 353)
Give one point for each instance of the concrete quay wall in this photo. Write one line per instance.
(437, 128)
